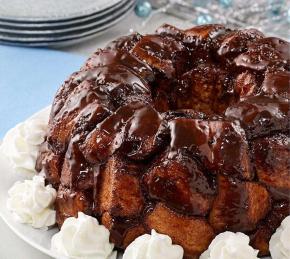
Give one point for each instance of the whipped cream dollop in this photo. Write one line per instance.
(83, 238)
(31, 202)
(21, 143)
(229, 245)
(280, 241)
(153, 246)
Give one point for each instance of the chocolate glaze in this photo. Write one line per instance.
(266, 52)
(111, 56)
(221, 145)
(234, 203)
(143, 133)
(182, 184)
(79, 174)
(272, 163)
(189, 106)
(109, 135)
(237, 42)
(261, 115)
(159, 53)
(277, 83)
(120, 227)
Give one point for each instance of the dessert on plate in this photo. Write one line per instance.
(183, 131)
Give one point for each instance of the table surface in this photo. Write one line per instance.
(11, 246)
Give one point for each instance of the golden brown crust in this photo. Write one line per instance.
(239, 206)
(119, 189)
(68, 203)
(273, 167)
(185, 231)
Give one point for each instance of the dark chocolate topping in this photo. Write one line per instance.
(197, 108)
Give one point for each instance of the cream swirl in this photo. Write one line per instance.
(229, 245)
(153, 246)
(83, 238)
(21, 143)
(280, 241)
(31, 202)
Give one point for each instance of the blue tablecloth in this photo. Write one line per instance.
(29, 79)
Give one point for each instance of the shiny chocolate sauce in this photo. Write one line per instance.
(199, 109)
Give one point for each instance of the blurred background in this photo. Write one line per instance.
(43, 41)
(79, 25)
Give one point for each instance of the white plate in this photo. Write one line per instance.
(47, 32)
(38, 239)
(61, 43)
(51, 10)
(63, 39)
(60, 23)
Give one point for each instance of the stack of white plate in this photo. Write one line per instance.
(58, 22)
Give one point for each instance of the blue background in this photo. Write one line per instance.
(29, 79)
